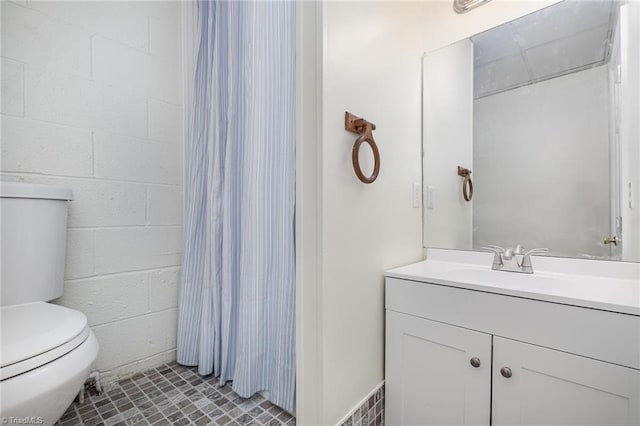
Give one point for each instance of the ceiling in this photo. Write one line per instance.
(567, 37)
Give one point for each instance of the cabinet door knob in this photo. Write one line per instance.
(475, 361)
(506, 372)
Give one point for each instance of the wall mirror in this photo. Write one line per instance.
(544, 112)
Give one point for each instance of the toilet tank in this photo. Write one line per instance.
(33, 229)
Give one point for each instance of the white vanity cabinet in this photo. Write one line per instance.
(456, 356)
(549, 387)
(429, 376)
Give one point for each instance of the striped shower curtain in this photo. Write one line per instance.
(237, 297)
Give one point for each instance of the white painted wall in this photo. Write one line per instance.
(447, 108)
(371, 54)
(534, 164)
(308, 212)
(92, 100)
(630, 130)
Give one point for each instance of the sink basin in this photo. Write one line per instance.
(502, 279)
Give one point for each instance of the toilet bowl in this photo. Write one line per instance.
(47, 353)
(46, 350)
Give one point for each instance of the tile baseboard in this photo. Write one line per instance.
(369, 411)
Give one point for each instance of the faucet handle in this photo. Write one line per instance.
(519, 249)
(497, 255)
(536, 251)
(526, 260)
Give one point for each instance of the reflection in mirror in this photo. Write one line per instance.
(544, 111)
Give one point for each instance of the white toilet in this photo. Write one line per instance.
(47, 351)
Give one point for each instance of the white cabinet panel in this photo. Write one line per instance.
(549, 387)
(429, 376)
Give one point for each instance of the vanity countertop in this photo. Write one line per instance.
(604, 285)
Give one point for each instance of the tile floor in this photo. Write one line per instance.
(173, 395)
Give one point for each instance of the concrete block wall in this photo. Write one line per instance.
(92, 100)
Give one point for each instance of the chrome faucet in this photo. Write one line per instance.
(508, 260)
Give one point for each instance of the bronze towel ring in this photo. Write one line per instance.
(467, 183)
(365, 130)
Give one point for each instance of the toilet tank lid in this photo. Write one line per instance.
(32, 190)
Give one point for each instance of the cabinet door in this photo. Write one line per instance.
(549, 387)
(429, 376)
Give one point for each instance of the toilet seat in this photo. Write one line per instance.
(34, 334)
